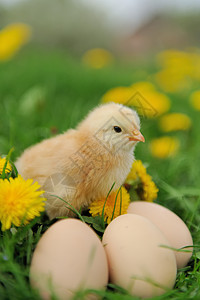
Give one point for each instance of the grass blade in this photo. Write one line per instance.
(102, 214)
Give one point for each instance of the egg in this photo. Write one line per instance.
(136, 259)
(170, 224)
(68, 258)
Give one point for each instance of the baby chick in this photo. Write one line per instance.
(82, 164)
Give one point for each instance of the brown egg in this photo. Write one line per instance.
(170, 224)
(68, 258)
(137, 261)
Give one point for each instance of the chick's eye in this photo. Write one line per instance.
(117, 129)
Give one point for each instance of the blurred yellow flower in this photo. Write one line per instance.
(8, 168)
(164, 147)
(119, 205)
(142, 182)
(137, 170)
(174, 121)
(121, 94)
(195, 99)
(143, 86)
(12, 38)
(148, 101)
(172, 81)
(179, 70)
(170, 58)
(142, 96)
(97, 58)
(20, 201)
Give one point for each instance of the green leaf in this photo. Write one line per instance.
(89, 220)
(98, 227)
(96, 222)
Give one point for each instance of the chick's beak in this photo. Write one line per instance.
(136, 136)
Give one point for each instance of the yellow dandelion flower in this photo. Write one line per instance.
(179, 70)
(137, 170)
(142, 182)
(2, 164)
(171, 58)
(143, 86)
(142, 96)
(172, 81)
(164, 147)
(97, 58)
(195, 99)
(120, 206)
(196, 59)
(149, 189)
(149, 102)
(12, 38)
(120, 94)
(175, 121)
(20, 201)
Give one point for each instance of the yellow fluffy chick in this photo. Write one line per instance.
(82, 164)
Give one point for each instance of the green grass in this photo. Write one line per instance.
(67, 91)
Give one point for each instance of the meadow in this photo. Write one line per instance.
(43, 93)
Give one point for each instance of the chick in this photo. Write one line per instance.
(82, 164)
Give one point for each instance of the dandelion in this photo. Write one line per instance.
(143, 86)
(172, 81)
(148, 100)
(142, 182)
(170, 58)
(12, 38)
(195, 99)
(120, 94)
(117, 205)
(151, 104)
(20, 201)
(8, 168)
(179, 70)
(97, 58)
(174, 121)
(164, 147)
(142, 96)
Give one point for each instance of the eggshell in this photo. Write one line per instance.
(170, 224)
(69, 257)
(136, 260)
